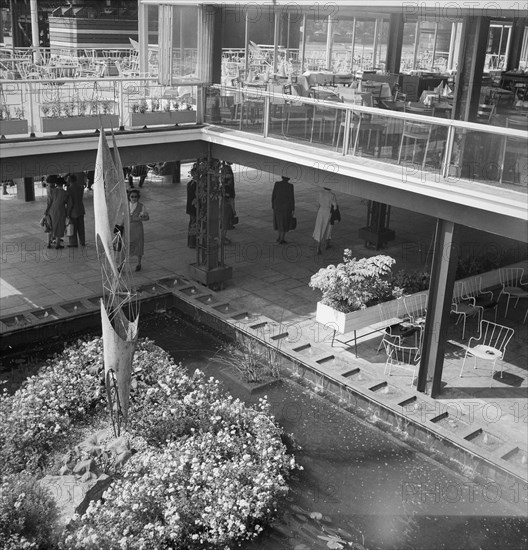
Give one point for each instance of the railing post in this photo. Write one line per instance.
(29, 87)
(346, 131)
(121, 104)
(446, 161)
(266, 115)
(200, 103)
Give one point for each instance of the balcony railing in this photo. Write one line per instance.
(50, 106)
(421, 144)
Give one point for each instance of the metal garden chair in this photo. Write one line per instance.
(490, 345)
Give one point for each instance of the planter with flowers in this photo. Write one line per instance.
(12, 121)
(352, 292)
(195, 468)
(153, 111)
(63, 116)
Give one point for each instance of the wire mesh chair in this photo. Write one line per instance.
(490, 345)
(511, 279)
(472, 288)
(401, 328)
(464, 307)
(416, 307)
(417, 132)
(406, 357)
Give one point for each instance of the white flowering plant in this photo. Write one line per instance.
(27, 514)
(40, 414)
(207, 470)
(355, 284)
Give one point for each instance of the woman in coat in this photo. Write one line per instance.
(283, 204)
(323, 230)
(138, 214)
(57, 209)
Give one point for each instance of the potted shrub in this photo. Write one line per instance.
(60, 116)
(12, 122)
(156, 111)
(349, 288)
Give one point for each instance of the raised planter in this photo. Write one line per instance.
(347, 322)
(356, 320)
(68, 124)
(16, 126)
(207, 277)
(162, 117)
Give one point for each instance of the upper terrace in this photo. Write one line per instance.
(374, 152)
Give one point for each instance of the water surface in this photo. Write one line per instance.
(360, 484)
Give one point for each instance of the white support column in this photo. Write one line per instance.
(246, 47)
(416, 43)
(329, 43)
(353, 47)
(205, 43)
(276, 29)
(508, 46)
(143, 39)
(165, 43)
(434, 45)
(303, 43)
(452, 42)
(35, 31)
(375, 44)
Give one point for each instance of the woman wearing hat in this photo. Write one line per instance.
(283, 204)
(138, 214)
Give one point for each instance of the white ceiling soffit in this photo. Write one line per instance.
(431, 9)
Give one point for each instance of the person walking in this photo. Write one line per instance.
(137, 171)
(283, 205)
(57, 209)
(76, 211)
(323, 229)
(138, 214)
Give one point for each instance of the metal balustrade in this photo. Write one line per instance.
(50, 106)
(419, 143)
(446, 148)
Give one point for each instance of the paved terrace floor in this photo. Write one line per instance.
(272, 280)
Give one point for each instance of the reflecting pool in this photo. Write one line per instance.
(360, 487)
(359, 484)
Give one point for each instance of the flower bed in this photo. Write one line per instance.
(207, 470)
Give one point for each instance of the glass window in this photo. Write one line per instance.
(497, 47)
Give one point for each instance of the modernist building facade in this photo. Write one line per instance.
(231, 59)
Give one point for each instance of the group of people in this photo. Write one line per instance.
(65, 206)
(283, 205)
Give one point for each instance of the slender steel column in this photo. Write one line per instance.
(443, 273)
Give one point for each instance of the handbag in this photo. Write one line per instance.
(292, 224)
(335, 215)
(235, 220)
(45, 222)
(69, 230)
